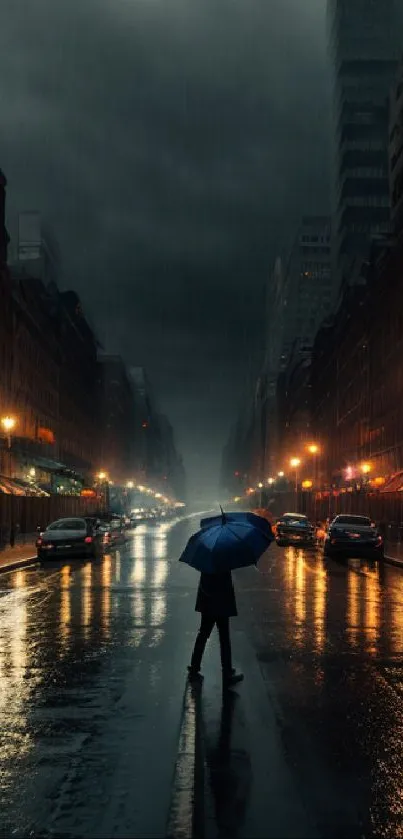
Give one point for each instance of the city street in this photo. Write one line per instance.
(100, 735)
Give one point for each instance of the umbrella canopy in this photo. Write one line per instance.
(226, 546)
(238, 516)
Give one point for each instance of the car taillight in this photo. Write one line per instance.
(39, 542)
(88, 540)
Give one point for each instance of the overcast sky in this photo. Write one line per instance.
(172, 144)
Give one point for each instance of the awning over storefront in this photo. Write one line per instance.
(15, 486)
(31, 488)
(9, 487)
(46, 465)
(53, 467)
(394, 484)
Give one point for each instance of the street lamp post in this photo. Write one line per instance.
(295, 463)
(365, 469)
(8, 424)
(103, 478)
(314, 450)
(260, 485)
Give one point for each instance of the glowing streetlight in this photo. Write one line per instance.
(270, 481)
(366, 468)
(260, 485)
(314, 450)
(280, 474)
(130, 485)
(8, 424)
(295, 462)
(103, 478)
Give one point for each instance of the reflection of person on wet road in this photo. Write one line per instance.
(229, 772)
(216, 602)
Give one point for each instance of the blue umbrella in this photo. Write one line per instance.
(225, 546)
(239, 516)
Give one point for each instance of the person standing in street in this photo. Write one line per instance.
(216, 603)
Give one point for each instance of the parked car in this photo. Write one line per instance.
(354, 536)
(78, 537)
(294, 528)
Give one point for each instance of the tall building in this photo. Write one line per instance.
(308, 283)
(172, 472)
(4, 237)
(116, 417)
(365, 41)
(396, 154)
(37, 254)
(301, 293)
(6, 351)
(301, 299)
(143, 423)
(294, 405)
(279, 301)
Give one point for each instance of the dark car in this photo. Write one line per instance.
(294, 528)
(70, 537)
(355, 536)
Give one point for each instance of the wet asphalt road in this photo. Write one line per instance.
(100, 735)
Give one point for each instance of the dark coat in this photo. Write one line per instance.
(216, 596)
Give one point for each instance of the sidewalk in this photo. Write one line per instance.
(22, 553)
(394, 552)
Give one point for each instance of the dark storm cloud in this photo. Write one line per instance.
(170, 144)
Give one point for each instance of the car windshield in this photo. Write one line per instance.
(360, 521)
(68, 524)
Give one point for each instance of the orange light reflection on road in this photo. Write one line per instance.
(372, 597)
(106, 594)
(353, 608)
(320, 592)
(300, 598)
(395, 625)
(87, 598)
(15, 738)
(65, 605)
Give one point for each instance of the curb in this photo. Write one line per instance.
(18, 563)
(393, 561)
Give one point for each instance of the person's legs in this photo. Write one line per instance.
(225, 645)
(230, 676)
(206, 626)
